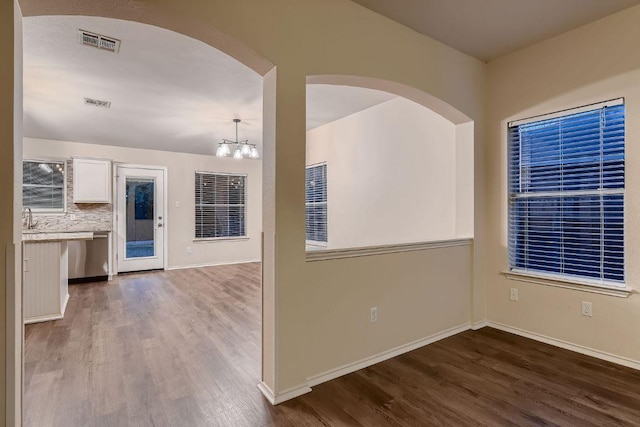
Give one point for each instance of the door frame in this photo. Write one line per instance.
(165, 235)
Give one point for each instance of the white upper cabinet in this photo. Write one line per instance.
(91, 181)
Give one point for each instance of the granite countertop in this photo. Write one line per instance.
(57, 236)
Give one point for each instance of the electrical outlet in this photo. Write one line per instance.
(373, 314)
(188, 249)
(72, 217)
(587, 309)
(513, 294)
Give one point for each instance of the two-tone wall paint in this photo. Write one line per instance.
(438, 288)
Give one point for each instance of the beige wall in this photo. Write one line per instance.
(392, 175)
(181, 169)
(434, 298)
(315, 38)
(6, 183)
(594, 63)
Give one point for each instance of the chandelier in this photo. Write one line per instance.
(241, 149)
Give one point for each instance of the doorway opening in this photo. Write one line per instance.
(141, 240)
(140, 218)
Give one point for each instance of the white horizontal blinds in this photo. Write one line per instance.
(316, 203)
(220, 205)
(566, 194)
(43, 185)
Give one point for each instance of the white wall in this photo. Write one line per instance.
(393, 175)
(181, 178)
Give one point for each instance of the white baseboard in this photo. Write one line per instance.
(64, 305)
(479, 325)
(369, 361)
(211, 264)
(42, 318)
(289, 394)
(266, 391)
(624, 361)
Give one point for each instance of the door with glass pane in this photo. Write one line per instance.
(140, 218)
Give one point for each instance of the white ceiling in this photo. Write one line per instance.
(167, 91)
(171, 92)
(488, 29)
(327, 103)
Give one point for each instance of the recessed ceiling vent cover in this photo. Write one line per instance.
(88, 38)
(97, 103)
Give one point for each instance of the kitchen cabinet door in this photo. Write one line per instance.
(91, 181)
(45, 286)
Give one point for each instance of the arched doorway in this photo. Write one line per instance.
(156, 16)
(398, 161)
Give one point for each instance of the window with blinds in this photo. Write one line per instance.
(220, 205)
(316, 204)
(566, 194)
(43, 185)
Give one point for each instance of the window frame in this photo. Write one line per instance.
(518, 273)
(44, 211)
(318, 243)
(245, 236)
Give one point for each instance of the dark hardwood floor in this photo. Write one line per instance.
(181, 348)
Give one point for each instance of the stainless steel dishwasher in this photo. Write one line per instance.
(89, 259)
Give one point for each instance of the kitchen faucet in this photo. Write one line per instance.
(29, 215)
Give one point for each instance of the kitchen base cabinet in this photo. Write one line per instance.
(45, 281)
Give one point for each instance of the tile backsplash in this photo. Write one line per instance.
(88, 216)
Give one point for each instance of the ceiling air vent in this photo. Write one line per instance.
(88, 38)
(97, 103)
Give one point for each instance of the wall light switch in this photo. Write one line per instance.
(177, 203)
(188, 249)
(513, 294)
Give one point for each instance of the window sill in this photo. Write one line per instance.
(316, 246)
(220, 239)
(321, 254)
(620, 292)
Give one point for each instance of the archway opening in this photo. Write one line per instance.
(199, 156)
(386, 165)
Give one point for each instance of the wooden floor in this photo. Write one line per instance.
(181, 348)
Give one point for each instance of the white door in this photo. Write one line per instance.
(140, 218)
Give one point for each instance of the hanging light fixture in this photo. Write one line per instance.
(223, 150)
(240, 149)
